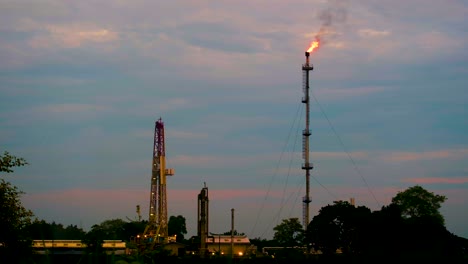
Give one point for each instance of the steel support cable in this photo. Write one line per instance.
(300, 183)
(297, 193)
(276, 170)
(326, 189)
(289, 173)
(345, 150)
(276, 217)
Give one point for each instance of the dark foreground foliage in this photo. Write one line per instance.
(413, 257)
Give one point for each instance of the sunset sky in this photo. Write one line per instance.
(83, 82)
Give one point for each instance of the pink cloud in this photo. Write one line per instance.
(216, 161)
(362, 195)
(434, 180)
(128, 198)
(370, 33)
(345, 93)
(228, 194)
(341, 155)
(72, 36)
(86, 197)
(429, 155)
(93, 206)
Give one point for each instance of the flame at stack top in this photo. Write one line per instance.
(314, 45)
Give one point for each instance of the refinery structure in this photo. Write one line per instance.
(156, 231)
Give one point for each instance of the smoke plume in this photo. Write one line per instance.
(333, 15)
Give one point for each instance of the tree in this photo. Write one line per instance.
(94, 240)
(40, 229)
(14, 217)
(73, 232)
(114, 229)
(177, 226)
(8, 161)
(289, 232)
(260, 243)
(133, 228)
(228, 233)
(417, 202)
(386, 231)
(339, 226)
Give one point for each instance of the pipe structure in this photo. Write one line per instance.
(232, 233)
(307, 165)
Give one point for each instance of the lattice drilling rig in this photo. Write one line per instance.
(156, 231)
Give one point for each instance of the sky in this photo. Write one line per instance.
(83, 82)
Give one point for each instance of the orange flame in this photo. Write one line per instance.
(313, 45)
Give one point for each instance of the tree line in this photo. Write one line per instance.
(410, 228)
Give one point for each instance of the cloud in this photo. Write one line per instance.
(71, 108)
(72, 36)
(370, 33)
(59, 81)
(187, 135)
(436, 41)
(339, 155)
(54, 112)
(226, 74)
(343, 93)
(243, 160)
(38, 9)
(428, 155)
(210, 161)
(72, 206)
(362, 195)
(337, 44)
(173, 103)
(220, 194)
(95, 205)
(435, 180)
(219, 36)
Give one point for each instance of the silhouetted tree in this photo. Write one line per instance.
(94, 239)
(133, 228)
(262, 242)
(384, 232)
(15, 244)
(114, 229)
(228, 233)
(177, 226)
(339, 226)
(409, 229)
(40, 229)
(417, 202)
(289, 233)
(73, 232)
(7, 162)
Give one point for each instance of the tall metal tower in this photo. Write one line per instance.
(157, 229)
(307, 166)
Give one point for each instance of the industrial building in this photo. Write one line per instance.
(237, 246)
